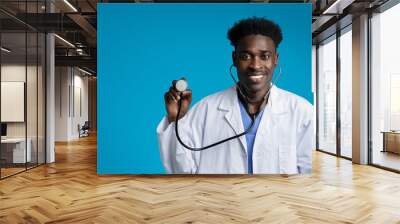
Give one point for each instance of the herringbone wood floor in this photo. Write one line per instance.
(70, 191)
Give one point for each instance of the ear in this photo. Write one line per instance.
(234, 58)
(276, 58)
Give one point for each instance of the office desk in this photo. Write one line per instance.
(391, 141)
(13, 150)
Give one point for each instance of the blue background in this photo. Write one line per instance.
(143, 47)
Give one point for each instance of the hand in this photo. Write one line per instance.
(171, 99)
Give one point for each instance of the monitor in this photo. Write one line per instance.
(3, 129)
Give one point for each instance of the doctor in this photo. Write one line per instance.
(281, 139)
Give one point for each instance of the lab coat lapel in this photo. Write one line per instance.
(273, 111)
(230, 106)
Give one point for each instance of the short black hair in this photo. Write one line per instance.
(253, 26)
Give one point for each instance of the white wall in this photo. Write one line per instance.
(71, 102)
(61, 103)
(13, 73)
(79, 117)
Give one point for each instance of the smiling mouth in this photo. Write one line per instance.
(255, 77)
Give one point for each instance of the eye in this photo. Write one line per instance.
(244, 56)
(265, 57)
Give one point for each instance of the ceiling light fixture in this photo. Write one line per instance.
(79, 51)
(65, 41)
(84, 71)
(5, 50)
(70, 5)
(337, 7)
(329, 9)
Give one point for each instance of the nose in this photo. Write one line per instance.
(255, 63)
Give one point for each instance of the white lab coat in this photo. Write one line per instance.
(283, 143)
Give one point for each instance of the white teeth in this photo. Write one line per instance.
(256, 77)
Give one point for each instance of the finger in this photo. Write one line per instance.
(167, 98)
(173, 90)
(175, 93)
(175, 97)
(187, 93)
(174, 82)
(171, 97)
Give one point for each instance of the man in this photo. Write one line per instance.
(281, 139)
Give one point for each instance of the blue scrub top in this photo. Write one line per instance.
(251, 135)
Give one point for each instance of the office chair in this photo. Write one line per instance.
(84, 130)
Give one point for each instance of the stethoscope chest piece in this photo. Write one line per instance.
(181, 85)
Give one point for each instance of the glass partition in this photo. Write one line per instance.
(385, 89)
(32, 95)
(327, 95)
(22, 77)
(14, 150)
(41, 107)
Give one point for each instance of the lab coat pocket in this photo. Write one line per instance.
(287, 159)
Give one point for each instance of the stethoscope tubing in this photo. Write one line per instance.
(253, 118)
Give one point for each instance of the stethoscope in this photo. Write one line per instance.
(181, 85)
